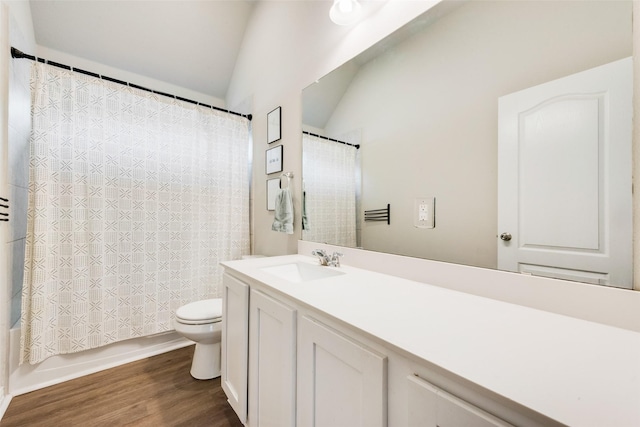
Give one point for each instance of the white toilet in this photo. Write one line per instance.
(201, 321)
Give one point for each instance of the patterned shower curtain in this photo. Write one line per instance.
(329, 191)
(134, 198)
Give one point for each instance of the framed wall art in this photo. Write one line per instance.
(274, 121)
(273, 159)
(273, 185)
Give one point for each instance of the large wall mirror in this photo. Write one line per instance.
(419, 122)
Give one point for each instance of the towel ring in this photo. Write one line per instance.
(288, 175)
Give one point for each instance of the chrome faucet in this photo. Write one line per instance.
(331, 261)
(322, 256)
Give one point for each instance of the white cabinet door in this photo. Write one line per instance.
(272, 362)
(235, 344)
(454, 412)
(421, 403)
(430, 406)
(341, 383)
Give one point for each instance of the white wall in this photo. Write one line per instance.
(429, 118)
(14, 98)
(4, 228)
(21, 37)
(636, 146)
(106, 70)
(287, 46)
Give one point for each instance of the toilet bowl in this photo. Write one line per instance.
(201, 322)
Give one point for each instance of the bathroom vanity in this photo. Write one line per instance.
(309, 345)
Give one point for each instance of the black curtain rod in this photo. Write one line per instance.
(15, 53)
(332, 139)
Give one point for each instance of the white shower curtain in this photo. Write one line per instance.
(329, 170)
(134, 198)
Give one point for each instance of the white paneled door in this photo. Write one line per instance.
(272, 362)
(564, 178)
(341, 383)
(235, 344)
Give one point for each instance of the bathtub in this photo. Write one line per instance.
(56, 369)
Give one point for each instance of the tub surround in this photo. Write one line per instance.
(572, 371)
(58, 369)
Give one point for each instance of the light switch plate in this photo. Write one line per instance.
(424, 212)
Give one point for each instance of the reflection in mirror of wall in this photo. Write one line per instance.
(424, 109)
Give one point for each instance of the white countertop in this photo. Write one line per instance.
(576, 372)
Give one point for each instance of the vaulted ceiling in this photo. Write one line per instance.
(188, 43)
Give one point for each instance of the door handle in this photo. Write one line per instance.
(505, 236)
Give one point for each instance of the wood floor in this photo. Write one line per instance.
(157, 391)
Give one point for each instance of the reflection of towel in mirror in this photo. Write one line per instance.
(305, 219)
(283, 221)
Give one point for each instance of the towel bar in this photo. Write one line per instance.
(379, 214)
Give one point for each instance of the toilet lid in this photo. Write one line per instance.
(208, 309)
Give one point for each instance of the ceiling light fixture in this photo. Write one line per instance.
(345, 12)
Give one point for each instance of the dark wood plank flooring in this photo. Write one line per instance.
(157, 391)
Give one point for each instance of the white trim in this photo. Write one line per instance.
(4, 403)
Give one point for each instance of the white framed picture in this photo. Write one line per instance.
(273, 159)
(273, 185)
(274, 121)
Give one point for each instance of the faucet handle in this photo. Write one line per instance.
(335, 259)
(322, 256)
(318, 252)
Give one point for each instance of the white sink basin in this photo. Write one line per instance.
(299, 272)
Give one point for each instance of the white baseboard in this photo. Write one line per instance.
(56, 369)
(4, 404)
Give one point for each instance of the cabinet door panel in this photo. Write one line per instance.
(430, 406)
(235, 343)
(340, 382)
(272, 355)
(454, 412)
(422, 399)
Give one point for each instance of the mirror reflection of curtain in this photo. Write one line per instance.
(134, 199)
(329, 169)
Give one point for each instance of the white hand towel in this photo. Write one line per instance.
(283, 221)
